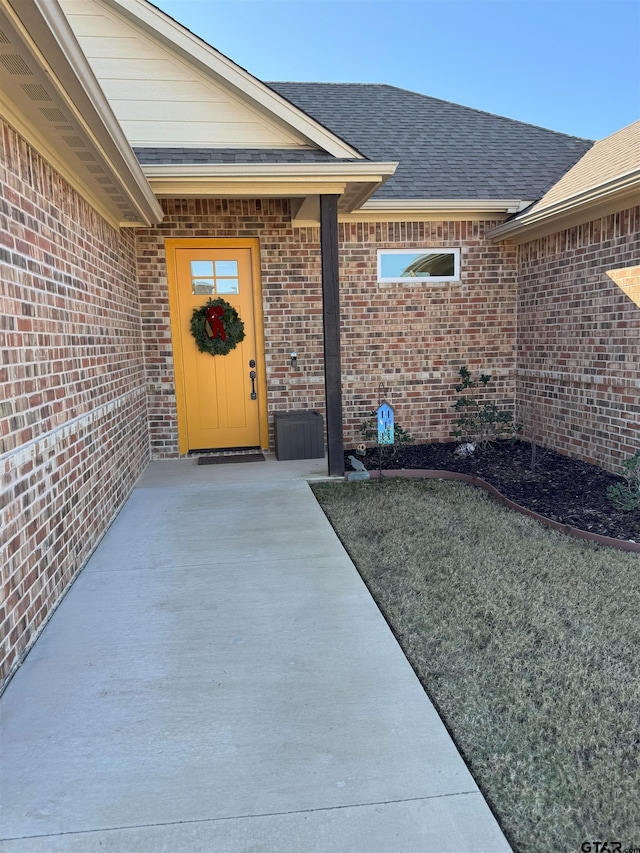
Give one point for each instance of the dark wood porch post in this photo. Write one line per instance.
(331, 324)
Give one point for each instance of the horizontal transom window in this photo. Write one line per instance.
(412, 265)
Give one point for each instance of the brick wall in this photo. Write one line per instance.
(578, 377)
(413, 338)
(73, 417)
(291, 293)
(87, 351)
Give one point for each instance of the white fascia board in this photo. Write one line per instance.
(362, 170)
(245, 189)
(46, 28)
(622, 187)
(353, 182)
(430, 205)
(196, 50)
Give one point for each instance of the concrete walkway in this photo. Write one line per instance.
(219, 679)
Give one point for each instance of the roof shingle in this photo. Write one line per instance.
(614, 157)
(158, 156)
(446, 151)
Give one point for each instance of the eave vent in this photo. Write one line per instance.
(36, 92)
(52, 114)
(74, 141)
(4, 38)
(15, 64)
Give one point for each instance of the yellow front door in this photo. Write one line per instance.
(221, 396)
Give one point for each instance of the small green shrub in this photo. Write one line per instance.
(479, 423)
(626, 496)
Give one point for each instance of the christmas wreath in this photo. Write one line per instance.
(216, 327)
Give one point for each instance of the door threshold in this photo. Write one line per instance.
(230, 451)
(223, 458)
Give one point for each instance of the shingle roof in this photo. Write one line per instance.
(445, 150)
(614, 157)
(157, 156)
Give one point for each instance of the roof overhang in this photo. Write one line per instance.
(438, 209)
(50, 95)
(602, 200)
(353, 182)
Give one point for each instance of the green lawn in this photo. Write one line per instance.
(527, 642)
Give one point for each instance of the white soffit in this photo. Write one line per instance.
(50, 96)
(168, 88)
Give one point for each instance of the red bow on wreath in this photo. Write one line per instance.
(213, 323)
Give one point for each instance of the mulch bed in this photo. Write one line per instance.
(562, 489)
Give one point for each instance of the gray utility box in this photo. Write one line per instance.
(299, 435)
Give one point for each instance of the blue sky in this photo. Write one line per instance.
(568, 65)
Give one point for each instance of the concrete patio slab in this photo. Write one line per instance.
(219, 678)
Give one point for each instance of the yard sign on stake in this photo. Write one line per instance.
(385, 430)
(385, 424)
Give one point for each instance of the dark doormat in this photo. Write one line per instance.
(221, 459)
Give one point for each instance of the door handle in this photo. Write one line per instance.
(252, 377)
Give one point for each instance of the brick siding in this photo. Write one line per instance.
(412, 338)
(578, 360)
(73, 416)
(291, 295)
(87, 369)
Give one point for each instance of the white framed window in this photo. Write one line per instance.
(410, 266)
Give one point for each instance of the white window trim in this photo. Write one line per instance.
(431, 279)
